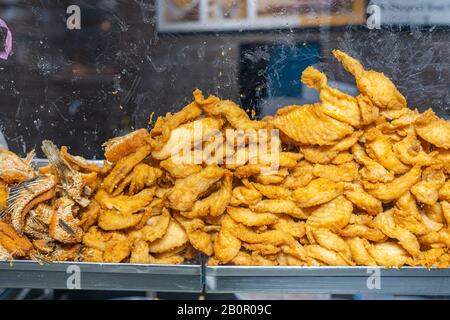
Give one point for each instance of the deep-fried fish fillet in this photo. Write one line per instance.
(427, 190)
(379, 147)
(375, 85)
(198, 237)
(308, 125)
(433, 129)
(392, 190)
(333, 214)
(186, 191)
(117, 148)
(363, 200)
(175, 237)
(334, 103)
(344, 172)
(13, 169)
(285, 206)
(317, 192)
(123, 167)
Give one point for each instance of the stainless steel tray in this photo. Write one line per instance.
(101, 276)
(338, 280)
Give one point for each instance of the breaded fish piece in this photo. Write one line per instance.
(13, 169)
(388, 254)
(325, 154)
(327, 256)
(333, 214)
(226, 245)
(386, 223)
(175, 237)
(427, 190)
(379, 148)
(198, 237)
(123, 167)
(410, 151)
(372, 171)
(375, 85)
(333, 103)
(186, 191)
(178, 170)
(186, 136)
(215, 204)
(309, 125)
(317, 192)
(164, 125)
(245, 196)
(285, 206)
(11, 242)
(392, 190)
(119, 147)
(433, 129)
(346, 172)
(250, 218)
(358, 249)
(363, 200)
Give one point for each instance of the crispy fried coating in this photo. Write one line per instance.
(388, 254)
(333, 214)
(198, 237)
(250, 218)
(30, 194)
(179, 170)
(12, 244)
(385, 221)
(318, 191)
(216, 203)
(79, 163)
(123, 167)
(63, 225)
(327, 256)
(285, 206)
(363, 200)
(186, 191)
(174, 237)
(330, 240)
(375, 85)
(235, 115)
(325, 154)
(362, 231)
(379, 147)
(358, 248)
(186, 136)
(13, 169)
(427, 190)
(226, 245)
(344, 172)
(163, 127)
(140, 254)
(120, 147)
(273, 192)
(245, 196)
(392, 190)
(333, 103)
(372, 171)
(410, 151)
(433, 129)
(309, 125)
(155, 228)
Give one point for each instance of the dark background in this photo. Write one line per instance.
(81, 87)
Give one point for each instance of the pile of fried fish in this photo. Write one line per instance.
(360, 181)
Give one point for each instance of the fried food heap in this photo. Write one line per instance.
(359, 181)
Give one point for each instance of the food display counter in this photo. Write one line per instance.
(105, 276)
